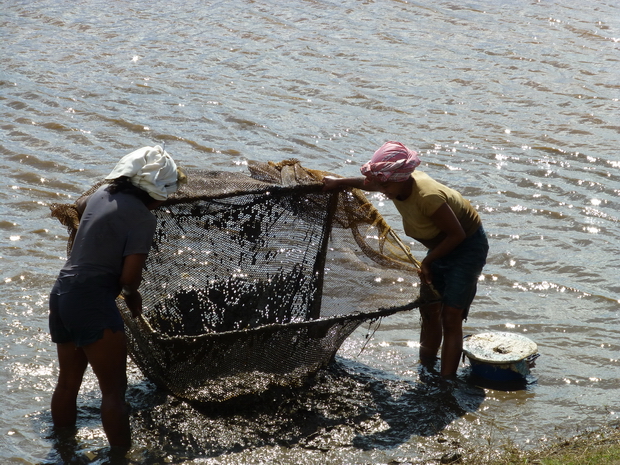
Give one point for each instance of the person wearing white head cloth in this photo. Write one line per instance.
(109, 251)
(151, 169)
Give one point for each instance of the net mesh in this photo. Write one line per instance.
(256, 280)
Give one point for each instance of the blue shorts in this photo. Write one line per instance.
(455, 276)
(81, 309)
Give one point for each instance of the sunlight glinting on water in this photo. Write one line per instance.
(517, 109)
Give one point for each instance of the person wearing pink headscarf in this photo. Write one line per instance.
(442, 220)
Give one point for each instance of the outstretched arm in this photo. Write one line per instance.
(331, 182)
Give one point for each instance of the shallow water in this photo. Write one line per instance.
(516, 108)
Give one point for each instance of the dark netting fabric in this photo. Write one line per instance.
(255, 281)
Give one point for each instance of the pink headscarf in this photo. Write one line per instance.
(391, 162)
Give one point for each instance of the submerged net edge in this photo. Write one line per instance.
(241, 363)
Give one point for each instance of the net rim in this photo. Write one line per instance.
(274, 327)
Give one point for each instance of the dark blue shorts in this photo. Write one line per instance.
(81, 309)
(455, 276)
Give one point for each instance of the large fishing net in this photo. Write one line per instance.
(256, 280)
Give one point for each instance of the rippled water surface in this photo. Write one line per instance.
(515, 106)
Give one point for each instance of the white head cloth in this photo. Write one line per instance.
(151, 169)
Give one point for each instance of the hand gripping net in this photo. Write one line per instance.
(255, 281)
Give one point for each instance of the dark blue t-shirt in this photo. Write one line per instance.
(112, 227)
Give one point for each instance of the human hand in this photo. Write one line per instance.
(330, 183)
(134, 303)
(136, 312)
(425, 272)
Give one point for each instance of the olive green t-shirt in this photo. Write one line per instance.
(426, 197)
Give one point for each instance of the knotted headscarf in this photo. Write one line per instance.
(151, 169)
(391, 162)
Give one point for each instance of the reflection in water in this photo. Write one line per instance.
(67, 449)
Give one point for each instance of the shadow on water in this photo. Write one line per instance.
(348, 405)
(422, 409)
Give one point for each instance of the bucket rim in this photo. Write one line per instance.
(499, 347)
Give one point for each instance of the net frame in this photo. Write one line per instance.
(219, 362)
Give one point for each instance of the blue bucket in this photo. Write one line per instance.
(500, 356)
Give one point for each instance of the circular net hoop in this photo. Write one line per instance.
(256, 280)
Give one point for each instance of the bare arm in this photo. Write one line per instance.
(131, 276)
(331, 182)
(445, 219)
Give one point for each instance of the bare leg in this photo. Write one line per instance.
(72, 364)
(108, 359)
(452, 321)
(430, 333)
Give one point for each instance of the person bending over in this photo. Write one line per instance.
(108, 253)
(449, 227)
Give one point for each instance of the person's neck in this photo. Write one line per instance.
(406, 190)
